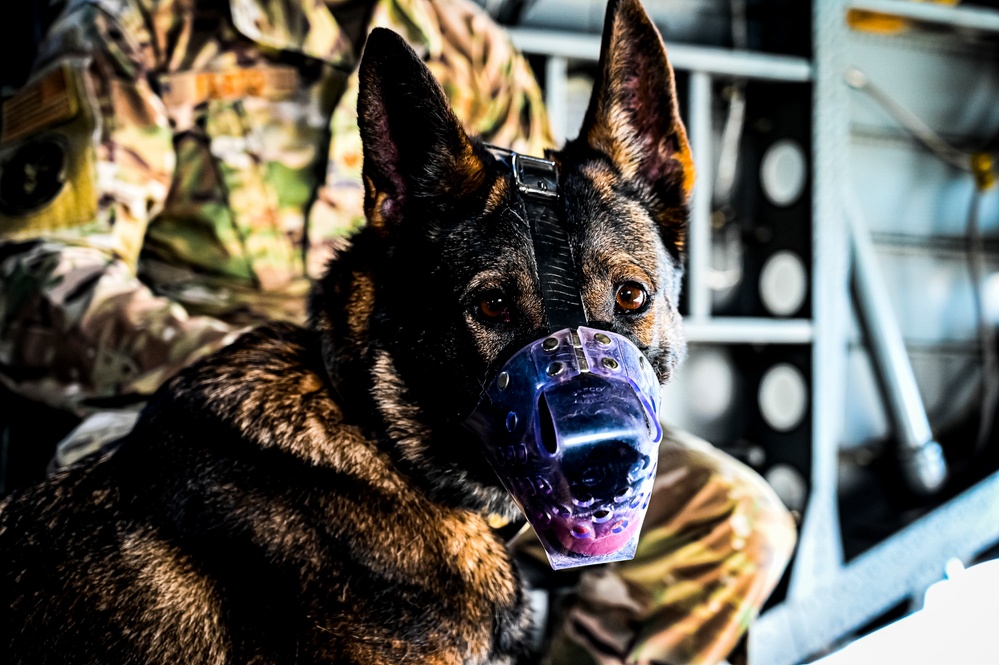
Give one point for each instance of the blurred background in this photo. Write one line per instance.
(842, 290)
(842, 284)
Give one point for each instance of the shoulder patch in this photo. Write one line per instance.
(33, 175)
(48, 162)
(48, 101)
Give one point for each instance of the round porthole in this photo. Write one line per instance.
(783, 283)
(711, 384)
(783, 397)
(783, 172)
(789, 485)
(33, 175)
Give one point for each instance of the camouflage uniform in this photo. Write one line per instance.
(171, 160)
(177, 170)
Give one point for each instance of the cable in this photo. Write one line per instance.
(979, 165)
(957, 158)
(990, 370)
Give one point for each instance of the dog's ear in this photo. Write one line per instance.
(633, 116)
(414, 146)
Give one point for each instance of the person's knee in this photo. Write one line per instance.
(746, 518)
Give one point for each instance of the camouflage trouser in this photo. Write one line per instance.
(714, 544)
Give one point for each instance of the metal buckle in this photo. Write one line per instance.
(534, 176)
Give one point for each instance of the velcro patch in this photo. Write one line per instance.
(33, 175)
(44, 103)
(48, 165)
(192, 88)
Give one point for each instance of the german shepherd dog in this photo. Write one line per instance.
(309, 494)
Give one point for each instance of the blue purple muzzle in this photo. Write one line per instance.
(571, 427)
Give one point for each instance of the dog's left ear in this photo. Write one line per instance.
(414, 146)
(633, 116)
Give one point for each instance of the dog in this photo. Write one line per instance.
(312, 494)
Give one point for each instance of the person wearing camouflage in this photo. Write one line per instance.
(176, 171)
(197, 192)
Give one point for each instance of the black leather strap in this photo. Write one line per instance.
(537, 180)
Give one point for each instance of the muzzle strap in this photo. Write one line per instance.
(537, 180)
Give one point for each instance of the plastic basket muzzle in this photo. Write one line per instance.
(571, 427)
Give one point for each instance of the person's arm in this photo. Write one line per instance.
(492, 90)
(86, 161)
(489, 82)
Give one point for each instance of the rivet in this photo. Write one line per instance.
(503, 380)
(602, 515)
(602, 339)
(619, 526)
(609, 363)
(511, 421)
(550, 344)
(555, 369)
(622, 495)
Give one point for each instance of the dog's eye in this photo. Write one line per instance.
(493, 307)
(630, 298)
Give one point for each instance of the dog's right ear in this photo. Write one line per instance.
(414, 146)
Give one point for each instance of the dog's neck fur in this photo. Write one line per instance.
(379, 399)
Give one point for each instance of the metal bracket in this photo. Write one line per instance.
(535, 176)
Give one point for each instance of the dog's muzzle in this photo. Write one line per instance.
(571, 427)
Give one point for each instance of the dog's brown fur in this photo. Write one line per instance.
(308, 495)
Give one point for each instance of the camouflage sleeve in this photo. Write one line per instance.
(489, 82)
(86, 160)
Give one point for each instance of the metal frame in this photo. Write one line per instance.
(973, 19)
(921, 457)
(827, 599)
(704, 64)
(808, 624)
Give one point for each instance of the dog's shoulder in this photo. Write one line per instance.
(241, 489)
(273, 357)
(294, 478)
(269, 388)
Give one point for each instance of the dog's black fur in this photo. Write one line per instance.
(307, 495)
